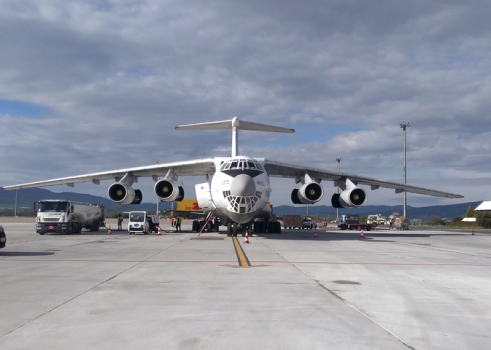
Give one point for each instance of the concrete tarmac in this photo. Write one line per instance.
(389, 290)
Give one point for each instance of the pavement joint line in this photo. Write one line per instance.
(351, 305)
(442, 249)
(75, 297)
(9, 259)
(333, 293)
(241, 256)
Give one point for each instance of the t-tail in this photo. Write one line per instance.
(235, 124)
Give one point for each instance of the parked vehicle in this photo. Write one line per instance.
(141, 222)
(309, 223)
(352, 222)
(292, 221)
(402, 223)
(64, 216)
(3, 237)
(298, 221)
(377, 219)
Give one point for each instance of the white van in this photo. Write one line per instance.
(141, 222)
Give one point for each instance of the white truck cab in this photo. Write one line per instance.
(141, 222)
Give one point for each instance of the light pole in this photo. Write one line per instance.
(404, 126)
(339, 169)
(158, 199)
(15, 206)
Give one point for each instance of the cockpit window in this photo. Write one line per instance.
(241, 164)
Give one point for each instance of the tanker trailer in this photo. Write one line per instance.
(64, 216)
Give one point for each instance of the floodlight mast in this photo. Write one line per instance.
(339, 169)
(404, 126)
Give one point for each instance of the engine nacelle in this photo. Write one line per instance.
(308, 193)
(349, 198)
(124, 194)
(168, 191)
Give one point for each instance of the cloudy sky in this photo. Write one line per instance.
(95, 85)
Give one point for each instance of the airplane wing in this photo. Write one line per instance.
(276, 169)
(188, 168)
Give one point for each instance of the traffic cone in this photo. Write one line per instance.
(109, 230)
(159, 231)
(315, 233)
(361, 234)
(246, 240)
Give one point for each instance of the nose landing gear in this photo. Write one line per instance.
(234, 228)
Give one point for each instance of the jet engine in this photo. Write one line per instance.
(308, 193)
(350, 198)
(122, 193)
(168, 191)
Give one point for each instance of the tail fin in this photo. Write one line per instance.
(235, 124)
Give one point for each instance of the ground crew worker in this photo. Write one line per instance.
(178, 224)
(172, 221)
(391, 224)
(120, 222)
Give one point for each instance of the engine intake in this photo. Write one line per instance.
(309, 193)
(349, 198)
(124, 194)
(168, 191)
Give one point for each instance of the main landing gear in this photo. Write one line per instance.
(254, 227)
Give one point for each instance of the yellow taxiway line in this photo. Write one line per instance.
(243, 261)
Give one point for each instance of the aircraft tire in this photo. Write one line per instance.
(278, 227)
(256, 227)
(195, 226)
(262, 227)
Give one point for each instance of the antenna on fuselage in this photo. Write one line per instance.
(235, 124)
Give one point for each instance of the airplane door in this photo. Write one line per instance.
(203, 196)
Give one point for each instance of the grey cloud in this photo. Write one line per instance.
(119, 76)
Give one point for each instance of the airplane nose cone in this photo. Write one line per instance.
(243, 186)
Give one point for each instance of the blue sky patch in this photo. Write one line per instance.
(22, 109)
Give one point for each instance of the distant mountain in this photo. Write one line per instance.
(443, 211)
(26, 198)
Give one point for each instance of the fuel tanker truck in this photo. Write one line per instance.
(64, 216)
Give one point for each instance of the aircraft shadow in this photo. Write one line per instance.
(25, 253)
(348, 236)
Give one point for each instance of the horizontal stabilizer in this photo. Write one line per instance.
(235, 122)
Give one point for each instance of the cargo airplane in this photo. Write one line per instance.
(240, 189)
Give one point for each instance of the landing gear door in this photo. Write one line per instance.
(203, 195)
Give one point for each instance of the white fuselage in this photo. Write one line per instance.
(240, 189)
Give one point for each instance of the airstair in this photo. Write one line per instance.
(208, 219)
